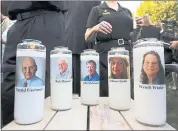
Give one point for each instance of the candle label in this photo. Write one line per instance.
(90, 70)
(30, 71)
(149, 66)
(61, 68)
(118, 68)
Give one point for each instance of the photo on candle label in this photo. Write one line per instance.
(90, 70)
(152, 71)
(61, 68)
(30, 71)
(118, 67)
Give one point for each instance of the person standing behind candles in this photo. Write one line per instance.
(107, 23)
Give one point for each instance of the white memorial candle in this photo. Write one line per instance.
(119, 79)
(90, 78)
(149, 82)
(61, 78)
(30, 82)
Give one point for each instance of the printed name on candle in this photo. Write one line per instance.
(90, 82)
(145, 86)
(158, 87)
(154, 87)
(118, 80)
(61, 81)
(28, 90)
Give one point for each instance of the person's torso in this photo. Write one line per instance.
(94, 77)
(16, 7)
(75, 23)
(65, 75)
(35, 81)
(121, 21)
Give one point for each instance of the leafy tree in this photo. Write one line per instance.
(158, 10)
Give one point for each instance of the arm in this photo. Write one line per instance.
(103, 27)
(91, 24)
(3, 42)
(93, 27)
(174, 45)
(91, 32)
(4, 36)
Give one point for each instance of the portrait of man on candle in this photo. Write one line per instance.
(152, 69)
(119, 68)
(63, 67)
(92, 74)
(28, 71)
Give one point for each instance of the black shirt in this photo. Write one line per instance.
(75, 23)
(13, 8)
(121, 21)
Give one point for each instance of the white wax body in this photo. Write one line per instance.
(61, 95)
(29, 105)
(119, 89)
(119, 94)
(29, 101)
(61, 90)
(150, 105)
(90, 94)
(90, 89)
(150, 100)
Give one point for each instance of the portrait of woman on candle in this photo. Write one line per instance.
(152, 70)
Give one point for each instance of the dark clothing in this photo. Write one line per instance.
(25, 6)
(76, 73)
(76, 20)
(152, 32)
(4, 7)
(44, 25)
(170, 56)
(122, 25)
(75, 23)
(103, 49)
(168, 36)
(146, 32)
(121, 21)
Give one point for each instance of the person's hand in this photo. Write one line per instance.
(174, 45)
(3, 41)
(103, 27)
(139, 21)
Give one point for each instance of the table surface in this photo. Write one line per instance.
(81, 117)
